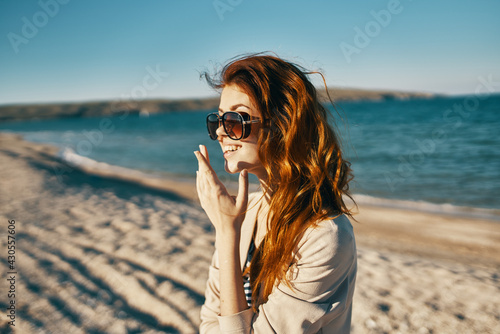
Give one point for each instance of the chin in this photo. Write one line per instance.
(231, 168)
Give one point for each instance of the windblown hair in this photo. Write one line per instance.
(307, 175)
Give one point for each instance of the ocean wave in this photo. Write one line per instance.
(148, 179)
(445, 209)
(73, 159)
(160, 181)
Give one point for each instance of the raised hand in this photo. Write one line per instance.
(224, 211)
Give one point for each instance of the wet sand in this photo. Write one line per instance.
(101, 255)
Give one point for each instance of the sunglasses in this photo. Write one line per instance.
(236, 125)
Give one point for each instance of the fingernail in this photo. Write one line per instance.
(199, 147)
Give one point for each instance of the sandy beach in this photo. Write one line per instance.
(100, 255)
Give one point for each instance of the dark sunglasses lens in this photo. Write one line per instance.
(233, 124)
(212, 125)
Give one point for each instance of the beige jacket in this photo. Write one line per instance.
(323, 281)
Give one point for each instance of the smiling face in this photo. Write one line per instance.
(240, 154)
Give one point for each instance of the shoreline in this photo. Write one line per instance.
(371, 221)
(164, 181)
(183, 185)
(109, 255)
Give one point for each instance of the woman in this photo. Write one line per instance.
(285, 258)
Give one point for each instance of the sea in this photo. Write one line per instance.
(438, 155)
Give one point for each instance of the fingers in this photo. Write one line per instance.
(242, 198)
(205, 171)
(204, 151)
(198, 185)
(203, 163)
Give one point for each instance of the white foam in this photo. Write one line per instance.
(132, 175)
(103, 169)
(448, 209)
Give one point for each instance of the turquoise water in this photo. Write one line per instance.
(440, 151)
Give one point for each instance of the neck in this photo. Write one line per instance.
(266, 190)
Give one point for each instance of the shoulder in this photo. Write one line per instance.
(328, 239)
(324, 268)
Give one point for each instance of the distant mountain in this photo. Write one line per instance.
(108, 108)
(352, 94)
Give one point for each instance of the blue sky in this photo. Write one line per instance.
(75, 50)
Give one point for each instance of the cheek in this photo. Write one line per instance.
(252, 153)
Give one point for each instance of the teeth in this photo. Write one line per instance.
(231, 148)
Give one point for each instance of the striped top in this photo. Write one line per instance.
(246, 279)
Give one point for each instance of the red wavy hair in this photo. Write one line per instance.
(307, 175)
